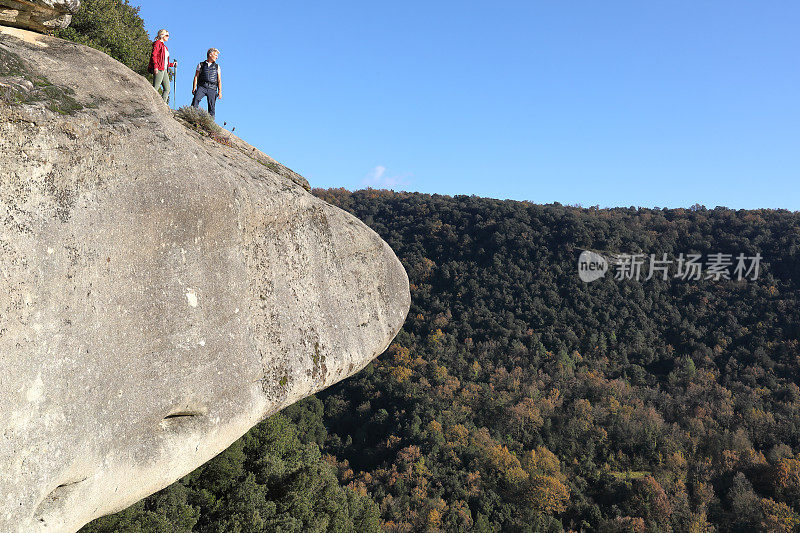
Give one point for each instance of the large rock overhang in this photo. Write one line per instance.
(160, 292)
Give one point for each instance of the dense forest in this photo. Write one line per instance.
(519, 398)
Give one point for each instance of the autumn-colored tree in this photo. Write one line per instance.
(651, 500)
(787, 479)
(545, 489)
(778, 517)
(624, 524)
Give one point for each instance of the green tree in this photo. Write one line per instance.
(266, 481)
(745, 504)
(113, 27)
(167, 511)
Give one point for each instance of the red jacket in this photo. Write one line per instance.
(158, 55)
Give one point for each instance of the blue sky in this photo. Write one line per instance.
(613, 103)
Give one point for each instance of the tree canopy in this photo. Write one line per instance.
(113, 27)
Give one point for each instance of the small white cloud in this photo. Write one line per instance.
(376, 173)
(377, 178)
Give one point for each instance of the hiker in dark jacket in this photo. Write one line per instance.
(159, 62)
(208, 81)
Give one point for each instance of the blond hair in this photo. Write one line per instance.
(161, 33)
(210, 51)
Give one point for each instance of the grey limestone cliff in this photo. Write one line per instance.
(38, 15)
(160, 292)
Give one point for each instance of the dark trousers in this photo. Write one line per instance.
(211, 96)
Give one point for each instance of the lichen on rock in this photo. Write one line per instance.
(18, 85)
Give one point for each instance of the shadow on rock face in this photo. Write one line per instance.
(38, 15)
(160, 293)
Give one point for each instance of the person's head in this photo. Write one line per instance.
(212, 54)
(163, 35)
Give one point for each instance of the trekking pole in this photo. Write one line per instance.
(174, 84)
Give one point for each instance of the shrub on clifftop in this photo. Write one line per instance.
(198, 118)
(113, 27)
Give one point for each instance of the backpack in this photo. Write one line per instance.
(151, 67)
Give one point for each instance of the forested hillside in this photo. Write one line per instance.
(519, 398)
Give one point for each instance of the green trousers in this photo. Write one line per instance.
(161, 79)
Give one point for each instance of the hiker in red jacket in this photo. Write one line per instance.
(159, 62)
